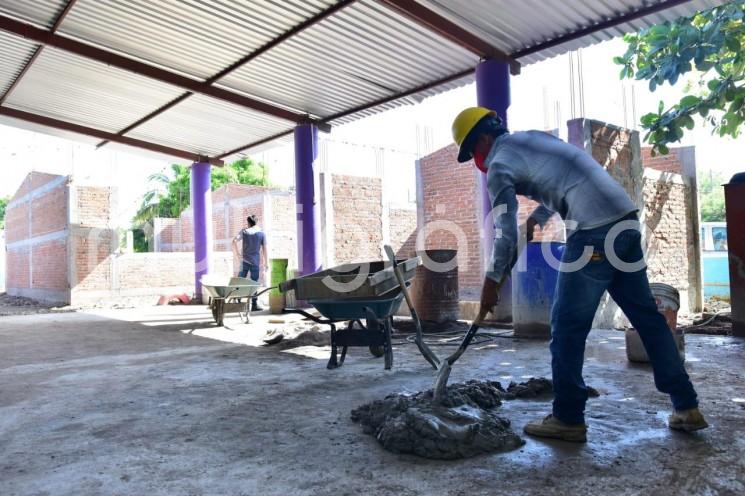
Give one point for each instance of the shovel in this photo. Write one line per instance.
(443, 371)
(425, 350)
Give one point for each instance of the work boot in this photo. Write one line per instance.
(255, 307)
(556, 429)
(687, 420)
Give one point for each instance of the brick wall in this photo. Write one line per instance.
(36, 238)
(358, 211)
(664, 163)
(669, 232)
(402, 230)
(450, 215)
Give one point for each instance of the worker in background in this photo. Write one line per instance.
(253, 255)
(566, 180)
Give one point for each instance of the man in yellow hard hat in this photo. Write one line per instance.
(603, 252)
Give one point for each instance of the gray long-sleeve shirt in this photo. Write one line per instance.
(561, 177)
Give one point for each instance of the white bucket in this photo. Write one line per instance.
(668, 304)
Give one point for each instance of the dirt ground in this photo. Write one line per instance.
(159, 401)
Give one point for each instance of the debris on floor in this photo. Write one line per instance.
(19, 305)
(717, 324)
(297, 334)
(465, 425)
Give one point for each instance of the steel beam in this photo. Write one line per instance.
(453, 32)
(49, 38)
(97, 133)
(243, 61)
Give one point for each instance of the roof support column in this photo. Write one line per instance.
(308, 225)
(493, 92)
(201, 208)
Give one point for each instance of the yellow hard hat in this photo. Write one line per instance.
(463, 125)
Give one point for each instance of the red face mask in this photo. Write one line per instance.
(479, 158)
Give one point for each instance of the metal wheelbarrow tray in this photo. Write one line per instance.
(377, 280)
(375, 300)
(225, 290)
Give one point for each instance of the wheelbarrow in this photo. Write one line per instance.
(354, 293)
(234, 289)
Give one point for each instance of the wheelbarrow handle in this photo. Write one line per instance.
(425, 350)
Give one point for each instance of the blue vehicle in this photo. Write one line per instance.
(715, 259)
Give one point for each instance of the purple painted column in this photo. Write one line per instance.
(493, 92)
(201, 207)
(308, 225)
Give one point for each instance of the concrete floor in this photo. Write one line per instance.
(140, 402)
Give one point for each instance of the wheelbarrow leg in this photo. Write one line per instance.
(333, 363)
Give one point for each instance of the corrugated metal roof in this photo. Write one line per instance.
(363, 53)
(208, 126)
(79, 90)
(13, 56)
(513, 25)
(41, 12)
(195, 37)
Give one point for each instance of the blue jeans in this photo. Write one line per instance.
(577, 297)
(253, 270)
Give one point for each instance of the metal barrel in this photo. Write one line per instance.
(435, 290)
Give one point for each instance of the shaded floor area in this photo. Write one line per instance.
(159, 401)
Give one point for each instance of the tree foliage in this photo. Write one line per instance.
(3, 206)
(711, 195)
(710, 42)
(170, 193)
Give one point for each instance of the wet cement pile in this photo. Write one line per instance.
(464, 425)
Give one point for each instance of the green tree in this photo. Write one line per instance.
(711, 195)
(3, 206)
(710, 42)
(170, 193)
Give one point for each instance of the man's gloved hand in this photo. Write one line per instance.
(489, 295)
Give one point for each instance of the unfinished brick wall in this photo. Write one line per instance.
(358, 225)
(402, 231)
(449, 190)
(231, 205)
(36, 230)
(664, 163)
(669, 233)
(666, 205)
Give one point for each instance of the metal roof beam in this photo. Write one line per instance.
(97, 133)
(243, 61)
(600, 26)
(57, 22)
(453, 32)
(49, 38)
(339, 115)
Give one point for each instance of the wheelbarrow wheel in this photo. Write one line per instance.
(218, 310)
(377, 351)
